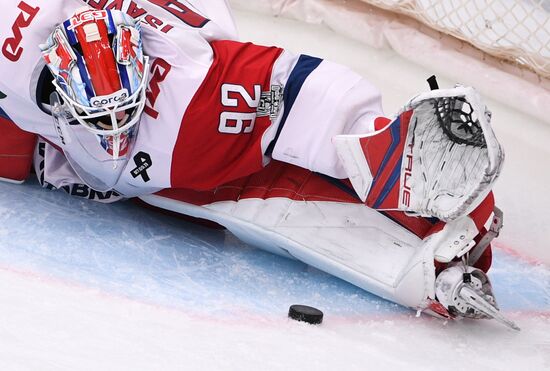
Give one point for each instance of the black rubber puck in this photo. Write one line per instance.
(307, 314)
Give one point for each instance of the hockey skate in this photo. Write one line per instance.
(438, 158)
(467, 292)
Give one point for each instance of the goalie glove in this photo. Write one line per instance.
(467, 292)
(438, 158)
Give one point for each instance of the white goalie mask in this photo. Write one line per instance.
(100, 77)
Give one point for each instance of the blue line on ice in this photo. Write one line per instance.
(126, 250)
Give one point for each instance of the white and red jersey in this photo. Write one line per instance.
(217, 109)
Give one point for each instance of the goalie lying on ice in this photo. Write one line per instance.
(290, 152)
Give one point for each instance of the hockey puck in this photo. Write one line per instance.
(304, 313)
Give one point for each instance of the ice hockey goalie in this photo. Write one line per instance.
(158, 100)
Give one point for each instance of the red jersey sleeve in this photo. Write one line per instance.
(220, 138)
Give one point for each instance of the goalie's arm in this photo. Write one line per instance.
(257, 103)
(322, 99)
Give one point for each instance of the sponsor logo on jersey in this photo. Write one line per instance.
(85, 17)
(84, 191)
(11, 49)
(78, 190)
(159, 71)
(110, 100)
(2, 95)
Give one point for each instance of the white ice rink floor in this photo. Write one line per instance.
(85, 286)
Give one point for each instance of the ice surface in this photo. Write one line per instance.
(145, 291)
(130, 251)
(91, 286)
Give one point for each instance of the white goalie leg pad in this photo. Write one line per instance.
(349, 241)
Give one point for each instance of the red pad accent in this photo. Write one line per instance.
(381, 122)
(486, 260)
(16, 151)
(439, 309)
(204, 157)
(480, 216)
(384, 153)
(483, 212)
(278, 179)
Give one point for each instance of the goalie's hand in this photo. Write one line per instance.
(438, 158)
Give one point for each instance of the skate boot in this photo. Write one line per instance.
(467, 292)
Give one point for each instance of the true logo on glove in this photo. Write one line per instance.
(406, 199)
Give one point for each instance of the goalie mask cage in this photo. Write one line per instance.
(510, 36)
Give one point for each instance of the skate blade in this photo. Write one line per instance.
(476, 301)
